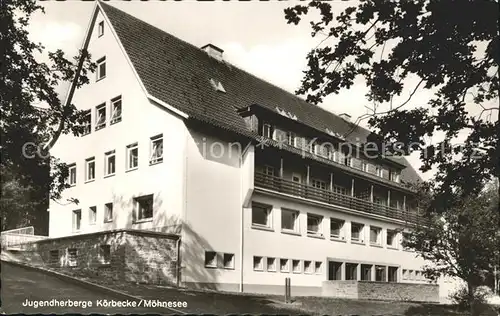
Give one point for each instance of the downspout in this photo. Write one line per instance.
(242, 224)
(178, 274)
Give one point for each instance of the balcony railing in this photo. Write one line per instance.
(309, 192)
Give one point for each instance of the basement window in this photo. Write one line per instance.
(72, 257)
(54, 257)
(217, 85)
(105, 254)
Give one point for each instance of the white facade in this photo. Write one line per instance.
(203, 190)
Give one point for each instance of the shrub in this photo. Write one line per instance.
(461, 297)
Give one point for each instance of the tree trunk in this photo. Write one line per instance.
(471, 299)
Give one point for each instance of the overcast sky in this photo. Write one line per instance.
(254, 36)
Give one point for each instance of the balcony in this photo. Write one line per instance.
(305, 191)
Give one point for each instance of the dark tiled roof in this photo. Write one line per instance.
(179, 74)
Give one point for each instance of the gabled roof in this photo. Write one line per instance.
(179, 73)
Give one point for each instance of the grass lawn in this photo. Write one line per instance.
(224, 303)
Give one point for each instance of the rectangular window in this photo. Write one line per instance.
(417, 276)
(105, 254)
(100, 119)
(144, 207)
(375, 235)
(284, 265)
(357, 232)
(393, 274)
(378, 171)
(132, 156)
(267, 130)
(116, 110)
(380, 273)
(308, 267)
(100, 29)
(405, 274)
(314, 224)
(292, 141)
(156, 149)
(87, 123)
(268, 171)
(258, 264)
(271, 264)
(319, 184)
(348, 161)
(391, 238)
(289, 220)
(411, 275)
(261, 215)
(364, 166)
(351, 271)
(72, 174)
(92, 215)
(77, 220)
(394, 175)
(296, 268)
(54, 257)
(366, 272)
(101, 68)
(108, 212)
(72, 257)
(317, 267)
(210, 259)
(90, 169)
(337, 228)
(406, 236)
(228, 261)
(334, 270)
(110, 163)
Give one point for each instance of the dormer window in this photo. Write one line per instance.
(364, 166)
(267, 130)
(101, 68)
(348, 161)
(292, 139)
(217, 85)
(395, 175)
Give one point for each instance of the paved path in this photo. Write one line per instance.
(19, 284)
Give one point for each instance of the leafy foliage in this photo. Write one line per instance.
(453, 53)
(32, 112)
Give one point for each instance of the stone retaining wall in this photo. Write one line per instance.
(392, 291)
(129, 255)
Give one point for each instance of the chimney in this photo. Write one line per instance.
(346, 117)
(213, 51)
